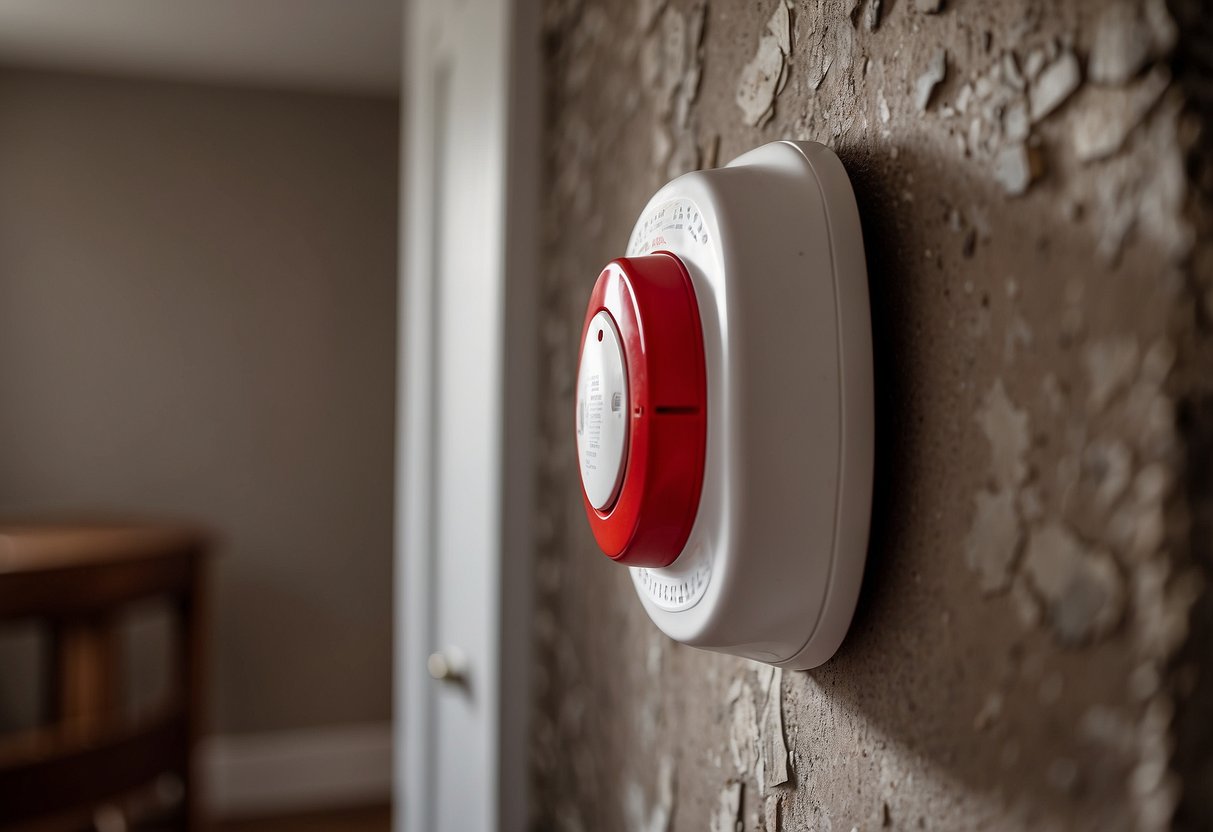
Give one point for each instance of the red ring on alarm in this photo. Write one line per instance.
(652, 302)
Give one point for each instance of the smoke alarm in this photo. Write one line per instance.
(724, 421)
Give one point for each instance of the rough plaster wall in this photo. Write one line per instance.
(1193, 388)
(1040, 314)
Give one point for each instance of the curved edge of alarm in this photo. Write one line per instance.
(853, 521)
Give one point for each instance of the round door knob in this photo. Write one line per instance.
(447, 665)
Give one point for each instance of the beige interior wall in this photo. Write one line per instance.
(1022, 642)
(197, 319)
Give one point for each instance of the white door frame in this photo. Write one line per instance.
(473, 66)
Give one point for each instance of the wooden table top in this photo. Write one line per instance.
(42, 546)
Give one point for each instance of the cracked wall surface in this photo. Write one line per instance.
(1032, 645)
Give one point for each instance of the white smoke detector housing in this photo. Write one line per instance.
(724, 406)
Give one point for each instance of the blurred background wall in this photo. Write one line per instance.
(1035, 206)
(197, 319)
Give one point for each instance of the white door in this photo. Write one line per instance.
(466, 382)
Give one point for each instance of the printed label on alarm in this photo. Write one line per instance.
(602, 426)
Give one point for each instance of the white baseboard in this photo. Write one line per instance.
(290, 771)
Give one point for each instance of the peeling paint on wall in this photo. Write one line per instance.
(1023, 654)
(764, 76)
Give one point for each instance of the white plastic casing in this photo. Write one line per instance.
(602, 412)
(774, 561)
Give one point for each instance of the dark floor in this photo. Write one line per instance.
(373, 819)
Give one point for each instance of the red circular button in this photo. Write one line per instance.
(652, 303)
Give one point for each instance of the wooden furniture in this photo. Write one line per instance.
(77, 578)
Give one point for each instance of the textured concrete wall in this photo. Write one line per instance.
(1030, 181)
